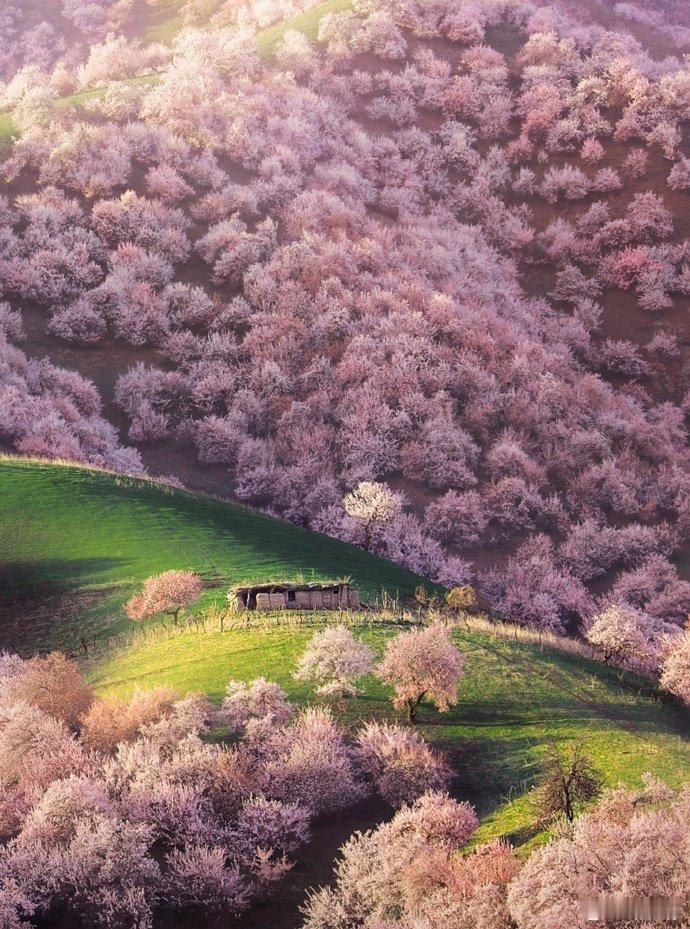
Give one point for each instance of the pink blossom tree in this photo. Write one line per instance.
(592, 151)
(54, 683)
(108, 722)
(422, 663)
(675, 670)
(636, 163)
(169, 593)
(35, 749)
(167, 183)
(679, 177)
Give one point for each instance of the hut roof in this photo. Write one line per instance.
(289, 585)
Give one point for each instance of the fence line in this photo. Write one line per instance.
(389, 613)
(215, 621)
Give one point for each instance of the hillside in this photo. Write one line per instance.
(388, 291)
(514, 699)
(76, 542)
(440, 249)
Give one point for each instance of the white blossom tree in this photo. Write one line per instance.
(620, 634)
(335, 660)
(373, 505)
(675, 672)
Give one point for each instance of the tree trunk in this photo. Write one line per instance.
(569, 813)
(412, 707)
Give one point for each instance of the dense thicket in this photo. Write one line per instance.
(112, 809)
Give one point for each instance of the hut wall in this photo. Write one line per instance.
(303, 599)
(265, 601)
(318, 600)
(342, 598)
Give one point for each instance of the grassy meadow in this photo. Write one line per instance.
(76, 543)
(514, 699)
(164, 20)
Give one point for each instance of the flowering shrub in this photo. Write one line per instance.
(107, 723)
(310, 763)
(53, 684)
(372, 505)
(400, 763)
(261, 700)
(54, 413)
(408, 872)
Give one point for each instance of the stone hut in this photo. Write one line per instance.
(264, 597)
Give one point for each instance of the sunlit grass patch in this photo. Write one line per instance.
(164, 20)
(306, 23)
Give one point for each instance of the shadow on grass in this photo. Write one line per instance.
(525, 834)
(46, 576)
(488, 772)
(47, 603)
(263, 540)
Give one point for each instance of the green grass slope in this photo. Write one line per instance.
(8, 131)
(307, 23)
(164, 20)
(514, 698)
(75, 543)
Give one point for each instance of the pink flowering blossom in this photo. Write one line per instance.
(419, 664)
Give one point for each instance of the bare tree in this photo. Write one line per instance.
(569, 780)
